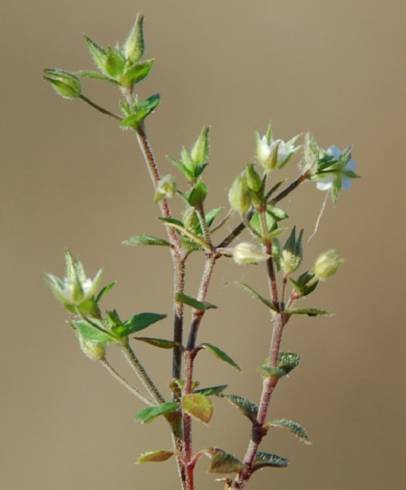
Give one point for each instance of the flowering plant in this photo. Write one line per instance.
(254, 196)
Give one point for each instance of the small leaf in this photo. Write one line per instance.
(198, 406)
(150, 413)
(154, 456)
(271, 372)
(92, 333)
(211, 390)
(198, 305)
(105, 290)
(162, 343)
(287, 361)
(136, 72)
(254, 294)
(197, 194)
(295, 428)
(223, 462)
(216, 351)
(144, 109)
(307, 311)
(140, 321)
(138, 240)
(98, 54)
(264, 459)
(200, 150)
(248, 408)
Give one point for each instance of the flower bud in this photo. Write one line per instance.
(239, 195)
(133, 48)
(248, 253)
(292, 252)
(93, 350)
(165, 189)
(64, 83)
(276, 153)
(254, 181)
(327, 264)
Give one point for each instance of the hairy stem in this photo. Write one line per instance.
(124, 382)
(99, 108)
(143, 376)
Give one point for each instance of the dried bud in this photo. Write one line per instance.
(248, 253)
(93, 350)
(327, 264)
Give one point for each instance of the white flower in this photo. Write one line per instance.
(275, 153)
(165, 189)
(326, 183)
(248, 253)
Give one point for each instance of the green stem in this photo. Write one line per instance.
(139, 370)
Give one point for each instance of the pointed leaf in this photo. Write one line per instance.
(140, 321)
(287, 361)
(150, 413)
(91, 74)
(198, 406)
(264, 459)
(138, 240)
(162, 343)
(197, 194)
(254, 294)
(248, 408)
(211, 390)
(307, 311)
(105, 290)
(223, 462)
(294, 427)
(217, 352)
(198, 305)
(137, 72)
(154, 456)
(98, 54)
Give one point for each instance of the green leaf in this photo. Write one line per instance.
(188, 174)
(211, 390)
(136, 73)
(264, 459)
(105, 290)
(305, 284)
(287, 361)
(271, 372)
(254, 294)
(115, 63)
(144, 109)
(198, 305)
(92, 333)
(217, 352)
(162, 343)
(138, 240)
(197, 194)
(171, 221)
(198, 406)
(307, 311)
(154, 456)
(212, 215)
(140, 321)
(150, 413)
(295, 428)
(248, 408)
(277, 213)
(98, 54)
(223, 462)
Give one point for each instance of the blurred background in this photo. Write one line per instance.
(72, 178)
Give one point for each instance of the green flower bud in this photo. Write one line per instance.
(327, 265)
(239, 195)
(292, 253)
(95, 351)
(64, 83)
(165, 188)
(133, 48)
(200, 150)
(247, 253)
(254, 181)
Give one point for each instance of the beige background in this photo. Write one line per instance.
(70, 177)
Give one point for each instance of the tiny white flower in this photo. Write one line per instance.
(275, 153)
